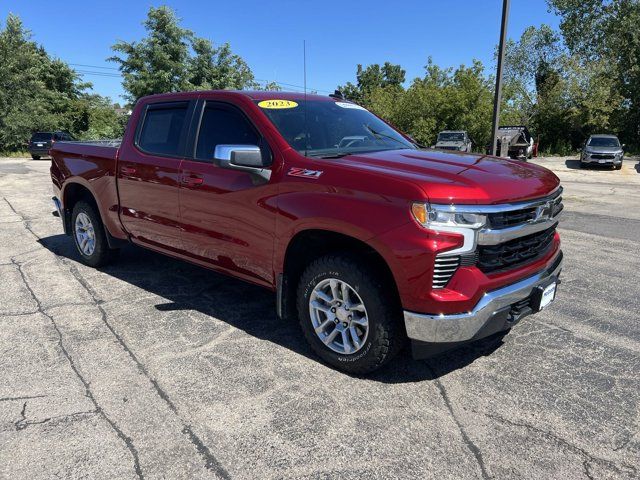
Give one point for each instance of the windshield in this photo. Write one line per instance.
(332, 128)
(41, 137)
(451, 137)
(604, 142)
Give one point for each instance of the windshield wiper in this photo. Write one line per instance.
(331, 155)
(383, 135)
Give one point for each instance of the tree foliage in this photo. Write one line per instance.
(563, 85)
(38, 92)
(605, 33)
(171, 59)
(443, 98)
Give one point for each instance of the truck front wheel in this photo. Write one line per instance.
(89, 235)
(349, 316)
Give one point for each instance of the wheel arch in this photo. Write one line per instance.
(310, 244)
(74, 192)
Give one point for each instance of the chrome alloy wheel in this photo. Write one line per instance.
(339, 316)
(85, 234)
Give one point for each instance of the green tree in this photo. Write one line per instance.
(171, 58)
(270, 87)
(605, 33)
(442, 99)
(214, 68)
(38, 92)
(371, 78)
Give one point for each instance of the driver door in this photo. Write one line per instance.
(227, 216)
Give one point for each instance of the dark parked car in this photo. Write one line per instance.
(602, 150)
(41, 142)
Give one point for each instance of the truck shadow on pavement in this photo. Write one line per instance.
(250, 308)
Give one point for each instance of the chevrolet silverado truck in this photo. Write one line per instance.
(363, 237)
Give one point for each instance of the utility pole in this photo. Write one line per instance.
(498, 94)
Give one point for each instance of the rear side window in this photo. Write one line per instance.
(162, 130)
(223, 126)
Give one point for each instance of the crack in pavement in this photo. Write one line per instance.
(473, 448)
(23, 423)
(211, 463)
(626, 442)
(24, 397)
(88, 393)
(589, 458)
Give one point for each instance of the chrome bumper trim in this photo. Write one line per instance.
(464, 326)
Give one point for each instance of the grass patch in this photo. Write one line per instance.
(15, 154)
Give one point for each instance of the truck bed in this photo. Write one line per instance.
(96, 150)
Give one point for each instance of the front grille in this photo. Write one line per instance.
(514, 253)
(513, 218)
(603, 156)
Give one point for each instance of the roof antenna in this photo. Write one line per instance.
(304, 68)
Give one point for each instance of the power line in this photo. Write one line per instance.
(93, 66)
(85, 71)
(99, 74)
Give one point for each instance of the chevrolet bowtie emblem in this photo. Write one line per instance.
(543, 212)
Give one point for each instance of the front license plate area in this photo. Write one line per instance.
(602, 161)
(543, 295)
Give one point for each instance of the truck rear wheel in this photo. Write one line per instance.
(348, 315)
(89, 235)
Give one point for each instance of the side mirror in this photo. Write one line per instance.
(246, 158)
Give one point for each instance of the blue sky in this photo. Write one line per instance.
(269, 34)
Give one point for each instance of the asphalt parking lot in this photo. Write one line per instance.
(156, 368)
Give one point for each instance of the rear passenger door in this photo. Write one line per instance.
(149, 175)
(228, 216)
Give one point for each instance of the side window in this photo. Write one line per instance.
(161, 131)
(223, 126)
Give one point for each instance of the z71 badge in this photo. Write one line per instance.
(303, 172)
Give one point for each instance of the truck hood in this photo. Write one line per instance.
(448, 177)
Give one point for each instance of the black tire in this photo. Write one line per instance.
(101, 254)
(385, 335)
(618, 167)
(35, 157)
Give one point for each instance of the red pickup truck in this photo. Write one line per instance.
(365, 238)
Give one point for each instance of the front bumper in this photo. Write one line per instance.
(602, 161)
(492, 313)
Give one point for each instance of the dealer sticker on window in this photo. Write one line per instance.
(548, 294)
(350, 105)
(277, 104)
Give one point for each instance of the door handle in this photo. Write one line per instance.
(192, 180)
(127, 170)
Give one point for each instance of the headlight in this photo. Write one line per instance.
(438, 216)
